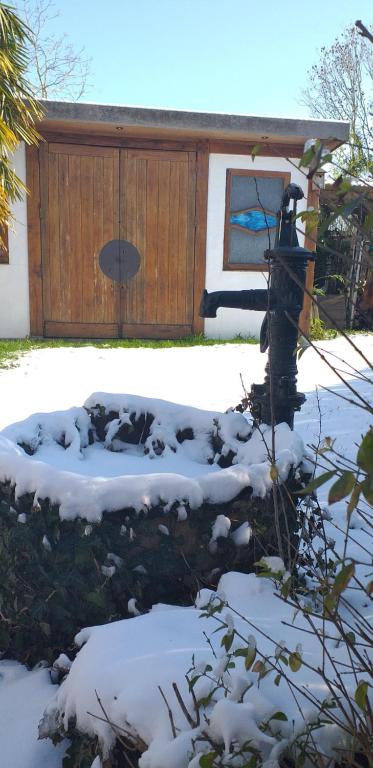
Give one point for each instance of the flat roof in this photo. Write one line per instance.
(108, 118)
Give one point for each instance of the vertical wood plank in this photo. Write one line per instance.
(142, 216)
(200, 232)
(173, 238)
(90, 282)
(34, 241)
(180, 263)
(165, 273)
(97, 215)
(64, 243)
(152, 234)
(190, 242)
(75, 266)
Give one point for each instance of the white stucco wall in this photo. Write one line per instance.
(230, 322)
(14, 295)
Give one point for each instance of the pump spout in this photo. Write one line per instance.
(256, 299)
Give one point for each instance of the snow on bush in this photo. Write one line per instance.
(158, 452)
(129, 675)
(165, 518)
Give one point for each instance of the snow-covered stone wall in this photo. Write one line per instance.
(14, 289)
(230, 322)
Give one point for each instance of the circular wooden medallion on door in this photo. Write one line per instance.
(119, 260)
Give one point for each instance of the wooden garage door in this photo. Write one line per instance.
(91, 195)
(80, 212)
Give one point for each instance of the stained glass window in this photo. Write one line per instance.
(252, 201)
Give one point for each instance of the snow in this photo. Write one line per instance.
(242, 535)
(221, 527)
(23, 696)
(273, 564)
(236, 722)
(126, 661)
(86, 480)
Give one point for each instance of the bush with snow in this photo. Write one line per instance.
(251, 697)
(186, 497)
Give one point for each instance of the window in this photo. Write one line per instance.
(252, 201)
(4, 250)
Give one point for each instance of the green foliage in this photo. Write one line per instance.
(18, 109)
(317, 482)
(318, 331)
(342, 487)
(47, 595)
(343, 578)
(361, 695)
(353, 482)
(364, 457)
(57, 576)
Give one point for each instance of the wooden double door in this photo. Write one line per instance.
(91, 195)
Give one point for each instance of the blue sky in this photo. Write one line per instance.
(248, 56)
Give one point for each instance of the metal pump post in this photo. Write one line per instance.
(277, 398)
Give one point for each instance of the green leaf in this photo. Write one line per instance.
(279, 716)
(259, 667)
(316, 482)
(342, 185)
(370, 588)
(329, 604)
(367, 489)
(277, 680)
(295, 661)
(227, 641)
(273, 473)
(365, 453)
(308, 156)
(250, 658)
(360, 696)
(354, 500)
(286, 587)
(241, 652)
(351, 638)
(342, 487)
(207, 761)
(343, 578)
(327, 158)
(255, 150)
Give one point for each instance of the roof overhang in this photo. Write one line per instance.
(78, 117)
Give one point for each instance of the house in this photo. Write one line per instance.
(184, 188)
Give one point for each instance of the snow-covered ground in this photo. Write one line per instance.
(56, 379)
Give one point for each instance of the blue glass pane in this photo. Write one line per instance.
(257, 221)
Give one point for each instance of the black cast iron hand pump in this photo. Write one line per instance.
(277, 399)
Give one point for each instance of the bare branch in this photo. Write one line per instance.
(56, 68)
